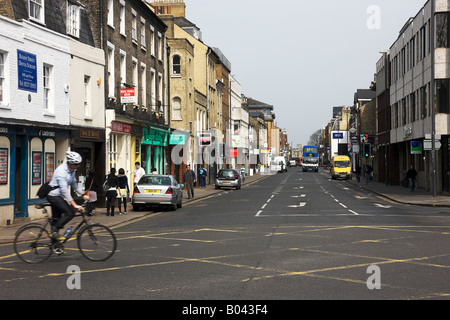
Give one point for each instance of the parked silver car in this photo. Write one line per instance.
(157, 190)
(229, 178)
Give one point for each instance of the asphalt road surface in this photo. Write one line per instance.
(290, 236)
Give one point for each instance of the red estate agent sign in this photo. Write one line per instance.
(128, 95)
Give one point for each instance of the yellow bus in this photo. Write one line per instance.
(341, 168)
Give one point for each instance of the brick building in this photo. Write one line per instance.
(136, 83)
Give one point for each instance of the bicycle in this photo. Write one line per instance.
(33, 243)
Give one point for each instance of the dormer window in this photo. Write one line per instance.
(73, 20)
(36, 10)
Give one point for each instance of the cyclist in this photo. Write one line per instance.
(62, 203)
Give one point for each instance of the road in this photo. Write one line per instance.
(289, 236)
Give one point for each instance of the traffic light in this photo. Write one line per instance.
(367, 150)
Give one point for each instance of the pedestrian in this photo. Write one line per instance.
(411, 177)
(91, 186)
(124, 190)
(243, 173)
(203, 174)
(189, 179)
(358, 173)
(111, 184)
(138, 172)
(62, 204)
(368, 173)
(154, 171)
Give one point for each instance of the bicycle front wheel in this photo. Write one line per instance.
(97, 242)
(33, 244)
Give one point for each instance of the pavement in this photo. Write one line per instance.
(397, 194)
(403, 195)
(7, 233)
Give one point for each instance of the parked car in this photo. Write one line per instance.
(228, 178)
(157, 190)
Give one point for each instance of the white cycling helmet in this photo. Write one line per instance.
(73, 157)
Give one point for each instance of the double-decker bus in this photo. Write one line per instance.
(310, 158)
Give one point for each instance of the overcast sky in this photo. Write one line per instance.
(303, 57)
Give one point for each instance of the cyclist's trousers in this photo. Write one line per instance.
(62, 212)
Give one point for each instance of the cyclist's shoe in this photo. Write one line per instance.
(57, 236)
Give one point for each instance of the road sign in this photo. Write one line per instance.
(427, 145)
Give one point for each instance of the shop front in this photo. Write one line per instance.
(28, 158)
(154, 149)
(90, 144)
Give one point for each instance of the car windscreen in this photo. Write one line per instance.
(341, 164)
(226, 174)
(156, 180)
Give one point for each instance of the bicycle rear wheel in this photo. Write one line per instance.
(33, 244)
(97, 242)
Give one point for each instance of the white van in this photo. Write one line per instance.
(278, 164)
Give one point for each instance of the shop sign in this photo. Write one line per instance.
(154, 137)
(176, 139)
(89, 134)
(416, 147)
(120, 127)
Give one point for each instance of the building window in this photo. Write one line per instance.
(87, 95)
(111, 13)
(152, 40)
(153, 88)
(134, 27)
(143, 87)
(176, 109)
(160, 93)
(160, 46)
(442, 30)
(2, 78)
(176, 65)
(36, 10)
(47, 79)
(135, 78)
(112, 150)
(122, 19)
(111, 79)
(73, 20)
(143, 33)
(123, 68)
(442, 96)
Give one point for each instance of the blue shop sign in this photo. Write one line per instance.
(338, 135)
(27, 71)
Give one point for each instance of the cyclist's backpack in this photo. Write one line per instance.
(44, 190)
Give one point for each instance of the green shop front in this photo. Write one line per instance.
(154, 149)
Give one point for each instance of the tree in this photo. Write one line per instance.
(316, 138)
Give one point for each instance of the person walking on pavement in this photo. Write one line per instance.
(61, 201)
(243, 173)
(138, 172)
(368, 173)
(122, 180)
(111, 194)
(411, 177)
(203, 174)
(189, 179)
